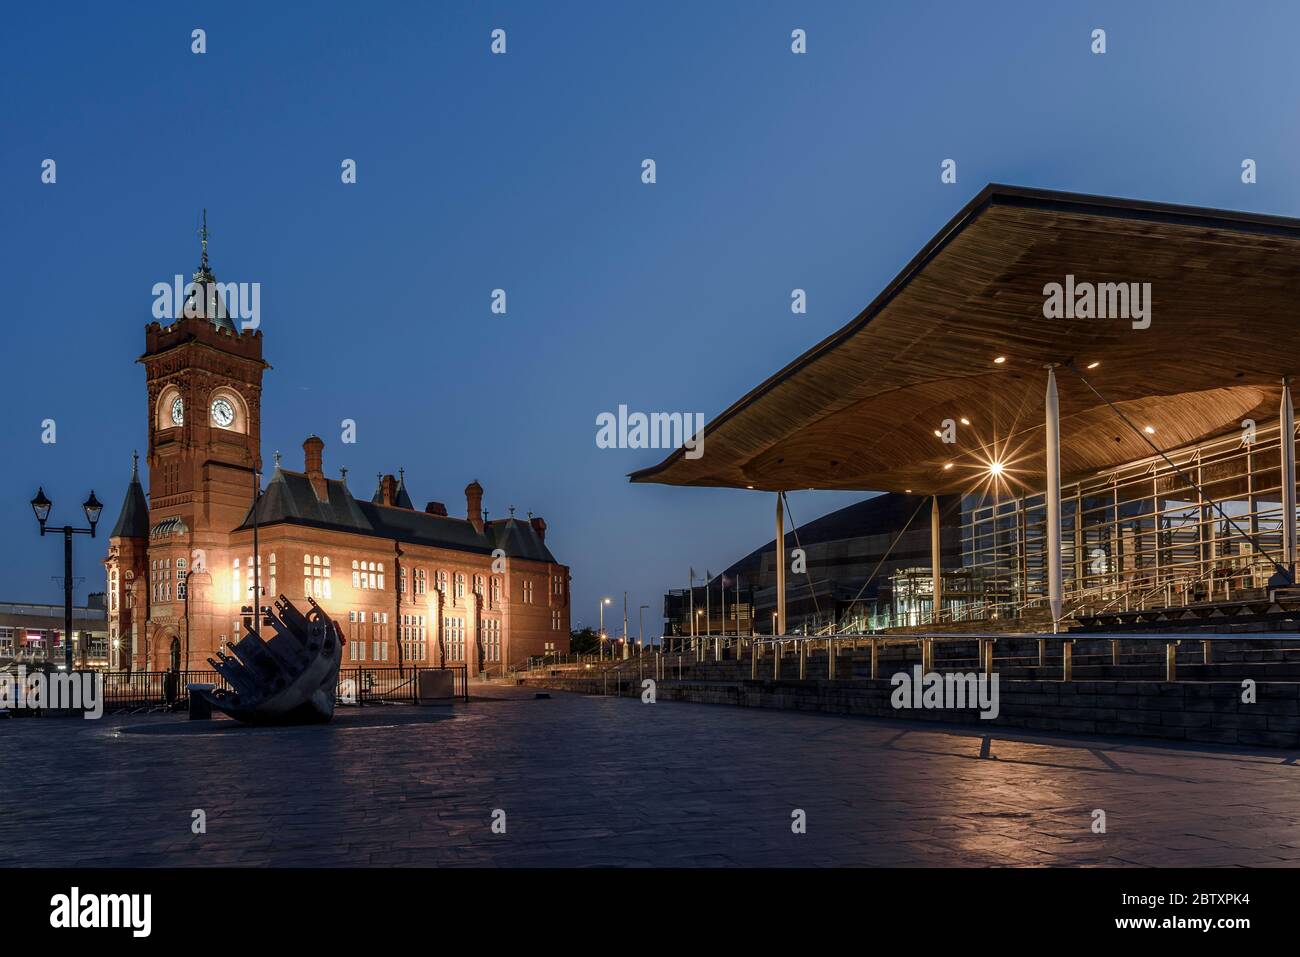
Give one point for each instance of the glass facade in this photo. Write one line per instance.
(1138, 536)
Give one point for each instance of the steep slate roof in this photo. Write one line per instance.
(518, 539)
(133, 520)
(290, 499)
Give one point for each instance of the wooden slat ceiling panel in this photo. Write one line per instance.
(859, 411)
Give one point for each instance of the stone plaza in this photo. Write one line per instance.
(610, 781)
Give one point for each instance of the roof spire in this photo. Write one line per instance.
(203, 242)
(135, 463)
(277, 460)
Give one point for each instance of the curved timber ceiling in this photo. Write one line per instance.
(860, 409)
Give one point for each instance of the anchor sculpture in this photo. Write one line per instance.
(290, 679)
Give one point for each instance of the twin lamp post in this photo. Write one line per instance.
(92, 507)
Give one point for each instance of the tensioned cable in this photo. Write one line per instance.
(795, 529)
(1179, 472)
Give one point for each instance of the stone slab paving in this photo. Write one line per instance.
(612, 781)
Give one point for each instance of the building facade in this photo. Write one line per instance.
(32, 634)
(188, 564)
(861, 569)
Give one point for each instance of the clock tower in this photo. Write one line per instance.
(204, 383)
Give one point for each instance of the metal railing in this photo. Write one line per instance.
(768, 655)
(146, 691)
(362, 686)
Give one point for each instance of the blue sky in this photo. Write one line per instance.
(522, 172)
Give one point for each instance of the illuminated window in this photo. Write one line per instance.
(491, 640)
(316, 582)
(413, 635)
(453, 630)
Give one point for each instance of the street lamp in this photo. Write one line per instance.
(91, 507)
(640, 635)
(601, 649)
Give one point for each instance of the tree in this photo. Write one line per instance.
(584, 641)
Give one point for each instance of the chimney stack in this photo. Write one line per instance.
(313, 453)
(436, 508)
(539, 526)
(388, 490)
(474, 505)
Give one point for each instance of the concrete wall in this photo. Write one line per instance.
(1205, 712)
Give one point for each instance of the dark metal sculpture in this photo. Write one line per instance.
(290, 679)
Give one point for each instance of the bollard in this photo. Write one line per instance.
(1067, 660)
(875, 657)
(1114, 651)
(830, 658)
(1171, 661)
(753, 661)
(776, 661)
(803, 660)
(717, 649)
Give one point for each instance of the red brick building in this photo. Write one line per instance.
(408, 586)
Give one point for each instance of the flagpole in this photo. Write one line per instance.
(691, 591)
(708, 617)
(723, 589)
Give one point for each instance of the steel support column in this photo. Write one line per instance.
(780, 565)
(936, 566)
(1287, 442)
(1053, 431)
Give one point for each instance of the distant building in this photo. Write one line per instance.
(408, 586)
(862, 567)
(33, 633)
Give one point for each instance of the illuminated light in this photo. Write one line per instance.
(965, 421)
(749, 486)
(947, 465)
(938, 434)
(1149, 430)
(1093, 365)
(999, 360)
(996, 468)
(908, 491)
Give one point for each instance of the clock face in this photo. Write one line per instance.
(178, 411)
(223, 413)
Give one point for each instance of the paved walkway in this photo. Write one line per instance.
(612, 781)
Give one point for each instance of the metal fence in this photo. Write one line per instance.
(169, 690)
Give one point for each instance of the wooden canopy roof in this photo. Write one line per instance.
(860, 409)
